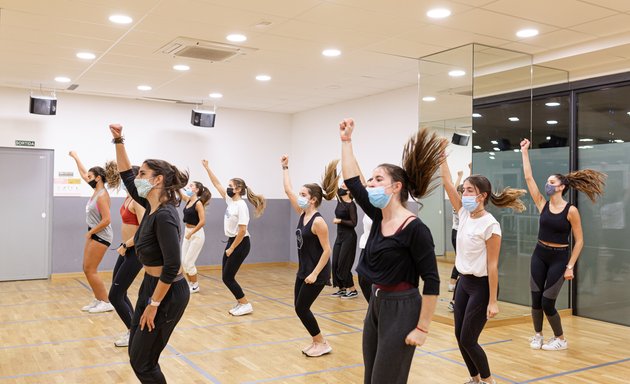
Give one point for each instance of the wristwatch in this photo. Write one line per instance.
(569, 266)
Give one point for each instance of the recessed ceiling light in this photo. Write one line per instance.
(236, 38)
(491, 157)
(585, 147)
(548, 138)
(552, 122)
(618, 141)
(120, 19)
(494, 142)
(62, 79)
(86, 55)
(263, 77)
(628, 113)
(529, 32)
(476, 115)
(477, 147)
(513, 118)
(491, 153)
(586, 140)
(456, 73)
(474, 131)
(438, 13)
(516, 150)
(496, 149)
(181, 67)
(216, 95)
(428, 98)
(552, 104)
(144, 87)
(331, 52)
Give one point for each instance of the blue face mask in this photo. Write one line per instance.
(303, 202)
(188, 192)
(143, 186)
(470, 203)
(378, 197)
(550, 189)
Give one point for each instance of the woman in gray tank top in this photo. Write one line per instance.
(99, 235)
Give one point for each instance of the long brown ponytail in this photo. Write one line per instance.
(587, 181)
(508, 198)
(258, 201)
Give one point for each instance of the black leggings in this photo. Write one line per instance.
(472, 296)
(232, 264)
(547, 276)
(125, 271)
(145, 347)
(304, 297)
(344, 251)
(454, 272)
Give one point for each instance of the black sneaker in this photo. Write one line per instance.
(339, 293)
(350, 295)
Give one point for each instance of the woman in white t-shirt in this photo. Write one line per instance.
(235, 226)
(477, 260)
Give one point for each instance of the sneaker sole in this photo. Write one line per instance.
(241, 314)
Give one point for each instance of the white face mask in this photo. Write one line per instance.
(143, 186)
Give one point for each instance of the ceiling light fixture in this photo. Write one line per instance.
(552, 122)
(494, 142)
(236, 38)
(86, 55)
(552, 104)
(331, 52)
(181, 67)
(263, 77)
(216, 95)
(477, 147)
(428, 98)
(513, 119)
(456, 73)
(120, 19)
(62, 79)
(144, 87)
(439, 13)
(476, 115)
(529, 32)
(586, 140)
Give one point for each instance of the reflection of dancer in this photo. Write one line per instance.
(235, 227)
(99, 235)
(196, 198)
(551, 264)
(399, 251)
(454, 274)
(478, 245)
(313, 250)
(345, 247)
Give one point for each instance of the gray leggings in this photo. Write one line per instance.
(389, 319)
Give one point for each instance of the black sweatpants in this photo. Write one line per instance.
(547, 276)
(232, 264)
(145, 347)
(472, 296)
(125, 271)
(389, 319)
(304, 297)
(343, 255)
(454, 272)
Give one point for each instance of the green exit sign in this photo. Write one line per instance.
(24, 143)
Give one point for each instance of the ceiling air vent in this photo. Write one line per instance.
(203, 50)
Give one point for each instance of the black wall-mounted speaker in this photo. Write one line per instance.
(459, 139)
(200, 118)
(43, 106)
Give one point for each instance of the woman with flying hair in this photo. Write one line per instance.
(477, 261)
(313, 250)
(99, 235)
(553, 261)
(235, 223)
(399, 252)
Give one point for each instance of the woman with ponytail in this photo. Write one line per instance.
(235, 227)
(553, 260)
(99, 235)
(197, 196)
(164, 293)
(477, 261)
(313, 250)
(398, 253)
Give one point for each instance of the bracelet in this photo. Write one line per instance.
(123, 245)
(422, 330)
(118, 140)
(346, 140)
(569, 266)
(285, 167)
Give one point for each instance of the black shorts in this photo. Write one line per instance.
(98, 239)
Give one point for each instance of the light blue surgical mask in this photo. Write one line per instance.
(550, 189)
(470, 203)
(378, 197)
(188, 192)
(303, 202)
(143, 186)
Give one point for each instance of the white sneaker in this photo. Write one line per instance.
(90, 306)
(242, 309)
(555, 344)
(101, 307)
(319, 349)
(123, 341)
(471, 381)
(451, 287)
(536, 342)
(194, 288)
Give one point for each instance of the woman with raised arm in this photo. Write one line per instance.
(553, 260)
(313, 250)
(197, 196)
(127, 266)
(398, 253)
(99, 235)
(164, 293)
(235, 224)
(345, 247)
(477, 261)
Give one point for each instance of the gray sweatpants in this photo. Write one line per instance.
(390, 318)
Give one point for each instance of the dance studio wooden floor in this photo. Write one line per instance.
(45, 338)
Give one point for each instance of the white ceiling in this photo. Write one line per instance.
(379, 40)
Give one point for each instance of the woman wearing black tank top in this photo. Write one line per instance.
(551, 263)
(313, 250)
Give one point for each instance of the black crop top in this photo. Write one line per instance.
(554, 227)
(347, 213)
(405, 256)
(157, 238)
(190, 214)
(310, 251)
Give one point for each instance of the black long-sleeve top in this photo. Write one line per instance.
(347, 213)
(157, 238)
(405, 256)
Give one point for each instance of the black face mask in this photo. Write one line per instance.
(230, 191)
(92, 183)
(342, 192)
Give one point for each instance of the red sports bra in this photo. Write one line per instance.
(127, 216)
